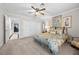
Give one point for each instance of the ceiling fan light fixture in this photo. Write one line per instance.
(39, 13)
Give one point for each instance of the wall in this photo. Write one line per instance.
(1, 29)
(74, 30)
(1, 26)
(30, 27)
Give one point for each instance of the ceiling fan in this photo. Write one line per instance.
(39, 10)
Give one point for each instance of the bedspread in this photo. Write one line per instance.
(53, 41)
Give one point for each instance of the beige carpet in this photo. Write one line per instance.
(23, 47)
(28, 46)
(67, 49)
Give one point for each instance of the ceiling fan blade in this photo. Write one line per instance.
(41, 13)
(33, 8)
(42, 9)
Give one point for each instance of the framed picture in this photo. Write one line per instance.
(67, 21)
(57, 21)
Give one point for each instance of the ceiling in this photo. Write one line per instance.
(51, 8)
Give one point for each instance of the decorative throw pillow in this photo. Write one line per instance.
(52, 31)
(59, 31)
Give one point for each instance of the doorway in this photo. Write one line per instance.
(11, 28)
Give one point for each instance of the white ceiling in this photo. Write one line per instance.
(51, 8)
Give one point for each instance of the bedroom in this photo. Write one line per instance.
(31, 20)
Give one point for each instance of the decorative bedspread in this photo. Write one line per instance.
(43, 38)
(53, 41)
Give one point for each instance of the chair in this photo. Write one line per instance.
(75, 42)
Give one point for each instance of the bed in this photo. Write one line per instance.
(53, 41)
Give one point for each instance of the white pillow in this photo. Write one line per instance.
(60, 31)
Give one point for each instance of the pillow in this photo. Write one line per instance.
(52, 31)
(59, 31)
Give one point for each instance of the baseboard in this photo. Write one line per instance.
(25, 37)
